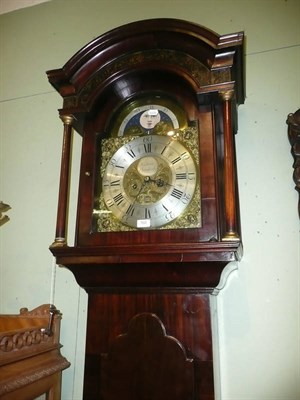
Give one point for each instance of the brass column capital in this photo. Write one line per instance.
(226, 95)
(67, 119)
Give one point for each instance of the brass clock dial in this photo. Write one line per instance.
(149, 181)
(149, 175)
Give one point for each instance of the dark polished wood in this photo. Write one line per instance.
(149, 289)
(146, 363)
(229, 170)
(293, 122)
(64, 184)
(156, 346)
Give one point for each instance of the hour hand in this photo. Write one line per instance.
(161, 183)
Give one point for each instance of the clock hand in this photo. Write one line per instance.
(147, 179)
(160, 182)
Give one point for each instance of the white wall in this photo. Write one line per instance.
(12, 5)
(258, 310)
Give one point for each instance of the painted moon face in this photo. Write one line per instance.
(150, 118)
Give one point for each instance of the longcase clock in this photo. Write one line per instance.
(155, 102)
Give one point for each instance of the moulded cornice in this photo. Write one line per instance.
(204, 45)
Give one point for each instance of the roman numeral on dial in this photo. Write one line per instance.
(176, 193)
(115, 183)
(131, 153)
(118, 199)
(147, 147)
(130, 210)
(185, 175)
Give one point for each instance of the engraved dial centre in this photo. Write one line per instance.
(147, 180)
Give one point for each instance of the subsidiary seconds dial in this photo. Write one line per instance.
(149, 182)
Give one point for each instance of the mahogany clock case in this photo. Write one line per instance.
(149, 330)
